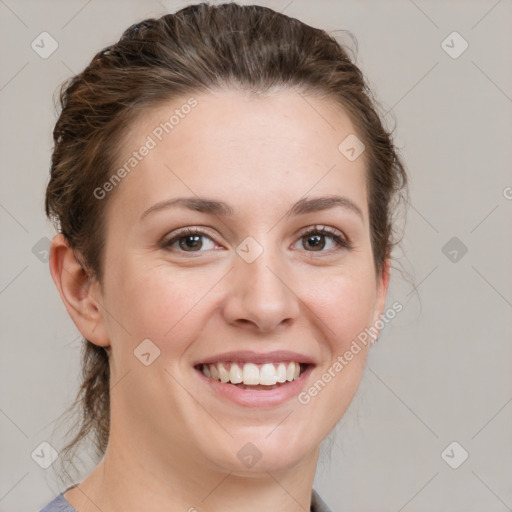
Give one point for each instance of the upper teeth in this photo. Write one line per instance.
(252, 374)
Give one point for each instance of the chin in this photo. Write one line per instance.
(246, 455)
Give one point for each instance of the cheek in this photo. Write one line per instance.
(157, 302)
(165, 304)
(345, 306)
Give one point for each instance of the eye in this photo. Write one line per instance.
(315, 238)
(188, 240)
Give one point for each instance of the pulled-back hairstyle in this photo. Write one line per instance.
(199, 48)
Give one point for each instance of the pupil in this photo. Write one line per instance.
(196, 238)
(315, 244)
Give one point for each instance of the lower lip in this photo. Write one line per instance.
(257, 398)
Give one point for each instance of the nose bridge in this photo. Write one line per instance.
(259, 291)
(266, 273)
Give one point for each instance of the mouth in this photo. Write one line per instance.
(254, 384)
(252, 376)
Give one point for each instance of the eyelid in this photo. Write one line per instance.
(188, 230)
(320, 228)
(182, 232)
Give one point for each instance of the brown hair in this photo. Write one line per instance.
(199, 48)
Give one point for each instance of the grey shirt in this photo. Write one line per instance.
(60, 504)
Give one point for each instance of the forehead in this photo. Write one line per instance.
(242, 149)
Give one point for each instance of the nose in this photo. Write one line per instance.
(260, 295)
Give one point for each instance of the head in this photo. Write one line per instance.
(256, 113)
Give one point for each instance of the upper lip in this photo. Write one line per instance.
(248, 356)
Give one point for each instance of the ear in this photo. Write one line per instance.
(382, 290)
(80, 293)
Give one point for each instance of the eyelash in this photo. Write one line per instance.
(342, 243)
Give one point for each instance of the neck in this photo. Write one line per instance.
(138, 475)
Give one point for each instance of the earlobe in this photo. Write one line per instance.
(80, 293)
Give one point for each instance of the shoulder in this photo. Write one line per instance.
(317, 504)
(58, 504)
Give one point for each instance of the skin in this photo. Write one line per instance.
(173, 443)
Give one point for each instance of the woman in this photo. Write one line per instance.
(224, 191)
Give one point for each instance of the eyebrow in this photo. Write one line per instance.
(301, 207)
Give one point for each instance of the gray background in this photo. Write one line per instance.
(440, 371)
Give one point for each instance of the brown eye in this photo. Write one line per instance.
(315, 239)
(188, 240)
(191, 242)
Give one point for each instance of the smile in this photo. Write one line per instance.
(254, 384)
(251, 375)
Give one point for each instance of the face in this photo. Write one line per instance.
(252, 269)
